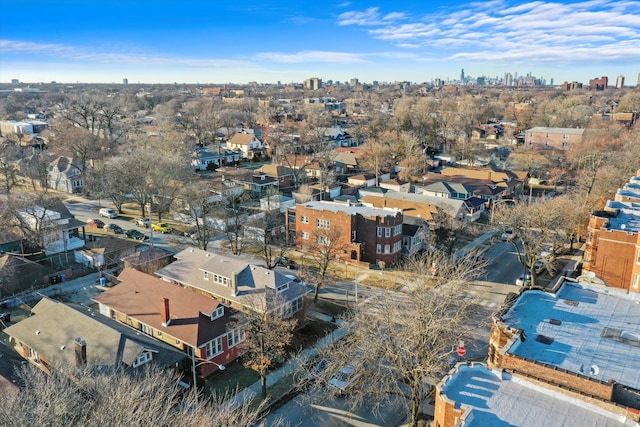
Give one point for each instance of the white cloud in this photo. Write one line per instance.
(536, 30)
(311, 56)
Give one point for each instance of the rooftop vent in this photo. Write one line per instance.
(555, 322)
(544, 339)
(571, 302)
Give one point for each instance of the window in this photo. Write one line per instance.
(205, 275)
(292, 307)
(386, 249)
(218, 312)
(235, 337)
(220, 279)
(379, 231)
(305, 235)
(142, 358)
(282, 288)
(636, 281)
(145, 328)
(322, 223)
(324, 240)
(353, 236)
(565, 145)
(397, 230)
(397, 246)
(213, 348)
(378, 248)
(304, 219)
(387, 232)
(638, 258)
(565, 136)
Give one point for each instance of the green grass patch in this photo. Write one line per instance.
(234, 378)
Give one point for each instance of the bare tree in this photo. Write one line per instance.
(267, 335)
(98, 397)
(8, 170)
(200, 204)
(536, 226)
(324, 246)
(402, 344)
(270, 238)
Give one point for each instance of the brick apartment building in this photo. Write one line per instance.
(367, 234)
(612, 251)
(554, 138)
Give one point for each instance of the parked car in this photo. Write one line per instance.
(162, 227)
(523, 280)
(507, 235)
(319, 369)
(540, 266)
(135, 234)
(343, 378)
(95, 222)
(283, 261)
(114, 228)
(143, 222)
(108, 213)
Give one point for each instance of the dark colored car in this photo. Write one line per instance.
(283, 261)
(135, 234)
(95, 222)
(114, 228)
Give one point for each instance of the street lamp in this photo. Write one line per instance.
(202, 362)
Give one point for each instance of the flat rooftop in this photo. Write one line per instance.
(351, 209)
(498, 399)
(582, 328)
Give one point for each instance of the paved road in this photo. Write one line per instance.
(312, 411)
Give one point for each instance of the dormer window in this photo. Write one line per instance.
(218, 312)
(282, 288)
(205, 275)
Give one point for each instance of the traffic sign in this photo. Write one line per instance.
(461, 351)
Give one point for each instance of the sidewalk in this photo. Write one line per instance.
(292, 365)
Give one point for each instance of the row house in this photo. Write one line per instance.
(237, 282)
(206, 330)
(364, 233)
(61, 335)
(612, 250)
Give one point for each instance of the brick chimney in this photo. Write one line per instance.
(234, 284)
(165, 312)
(80, 348)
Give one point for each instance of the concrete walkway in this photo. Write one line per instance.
(292, 365)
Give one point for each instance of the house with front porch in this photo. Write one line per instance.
(207, 330)
(237, 282)
(248, 144)
(51, 227)
(72, 336)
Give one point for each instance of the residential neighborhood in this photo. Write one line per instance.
(266, 242)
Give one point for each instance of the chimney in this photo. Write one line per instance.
(165, 312)
(234, 284)
(80, 347)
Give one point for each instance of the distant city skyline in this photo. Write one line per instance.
(273, 41)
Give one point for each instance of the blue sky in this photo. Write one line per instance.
(236, 41)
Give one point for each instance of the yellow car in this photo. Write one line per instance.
(162, 227)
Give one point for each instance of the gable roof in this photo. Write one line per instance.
(256, 285)
(410, 208)
(52, 329)
(139, 296)
(242, 138)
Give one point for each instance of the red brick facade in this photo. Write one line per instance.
(612, 254)
(364, 237)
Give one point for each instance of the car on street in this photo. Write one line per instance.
(108, 213)
(95, 222)
(523, 280)
(162, 227)
(319, 369)
(507, 235)
(135, 234)
(143, 222)
(114, 228)
(343, 378)
(283, 261)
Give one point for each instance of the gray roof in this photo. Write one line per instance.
(594, 324)
(498, 399)
(449, 187)
(53, 328)
(627, 218)
(256, 284)
(351, 209)
(450, 206)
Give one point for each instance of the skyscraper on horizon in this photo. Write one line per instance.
(620, 82)
(462, 75)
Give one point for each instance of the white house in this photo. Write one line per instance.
(59, 233)
(248, 144)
